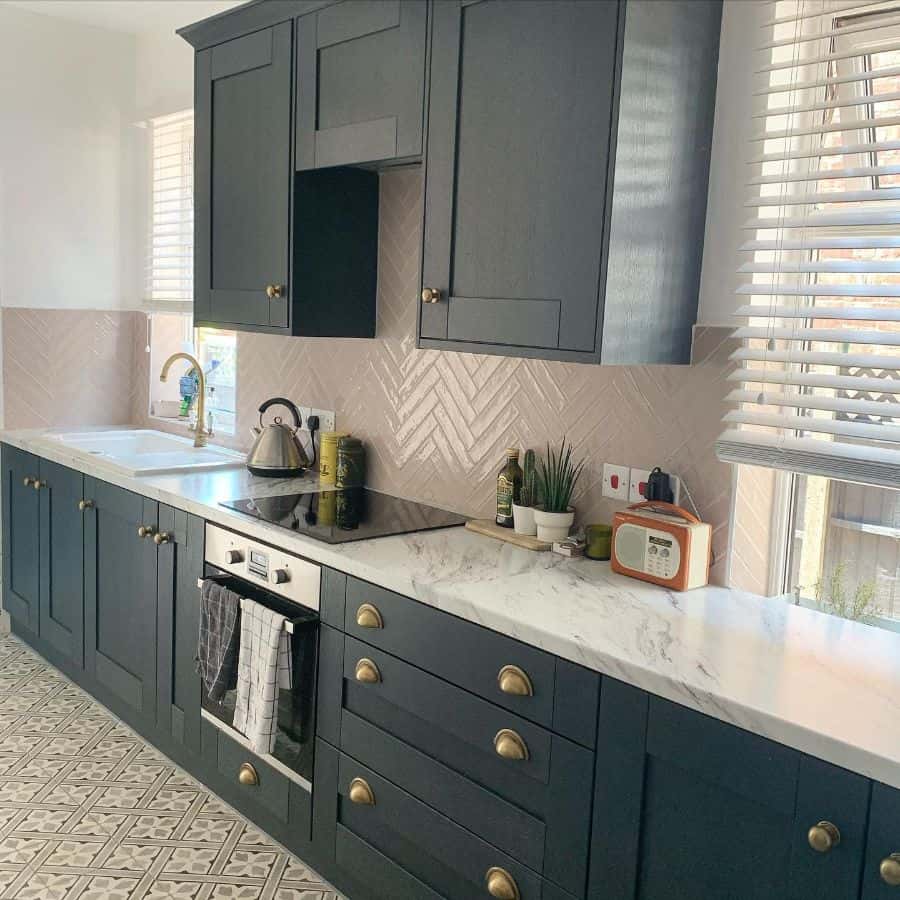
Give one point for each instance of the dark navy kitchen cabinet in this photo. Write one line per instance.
(538, 172)
(275, 252)
(690, 808)
(43, 588)
(21, 538)
(179, 565)
(243, 180)
(120, 599)
(62, 510)
(360, 83)
(881, 874)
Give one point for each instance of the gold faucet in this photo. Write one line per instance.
(200, 434)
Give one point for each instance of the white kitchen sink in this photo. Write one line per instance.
(147, 452)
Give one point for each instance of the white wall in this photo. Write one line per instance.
(66, 101)
(728, 173)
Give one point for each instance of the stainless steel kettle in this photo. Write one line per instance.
(277, 451)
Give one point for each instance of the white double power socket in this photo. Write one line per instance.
(625, 483)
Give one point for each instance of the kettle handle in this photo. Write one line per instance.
(282, 401)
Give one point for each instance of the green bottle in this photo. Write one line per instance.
(509, 487)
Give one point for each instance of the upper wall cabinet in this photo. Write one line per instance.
(243, 180)
(276, 251)
(566, 177)
(360, 83)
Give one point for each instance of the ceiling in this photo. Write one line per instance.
(131, 16)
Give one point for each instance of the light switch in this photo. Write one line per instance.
(615, 481)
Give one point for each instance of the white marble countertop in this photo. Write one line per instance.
(823, 685)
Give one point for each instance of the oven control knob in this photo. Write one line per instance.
(281, 576)
(234, 557)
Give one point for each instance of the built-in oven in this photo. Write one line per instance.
(290, 586)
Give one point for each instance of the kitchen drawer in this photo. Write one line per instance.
(549, 792)
(383, 878)
(272, 791)
(448, 859)
(499, 822)
(475, 658)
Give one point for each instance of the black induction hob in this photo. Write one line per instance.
(340, 516)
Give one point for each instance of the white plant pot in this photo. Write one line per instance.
(553, 526)
(523, 519)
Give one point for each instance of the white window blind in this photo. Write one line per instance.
(818, 387)
(170, 276)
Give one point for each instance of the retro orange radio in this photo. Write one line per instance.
(662, 543)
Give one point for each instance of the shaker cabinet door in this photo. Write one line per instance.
(21, 537)
(519, 117)
(243, 175)
(120, 600)
(62, 560)
(881, 872)
(360, 83)
(690, 808)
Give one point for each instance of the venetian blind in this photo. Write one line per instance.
(170, 275)
(817, 386)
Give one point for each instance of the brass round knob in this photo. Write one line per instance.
(510, 745)
(501, 884)
(890, 870)
(85, 504)
(823, 837)
(430, 295)
(367, 616)
(248, 775)
(360, 792)
(367, 672)
(513, 680)
(145, 531)
(274, 290)
(161, 537)
(28, 482)
(37, 485)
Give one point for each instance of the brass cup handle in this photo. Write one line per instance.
(501, 884)
(161, 537)
(360, 792)
(145, 531)
(513, 680)
(85, 504)
(274, 290)
(431, 295)
(367, 672)
(247, 775)
(823, 837)
(510, 745)
(368, 616)
(890, 870)
(28, 482)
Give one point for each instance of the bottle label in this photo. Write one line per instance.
(505, 496)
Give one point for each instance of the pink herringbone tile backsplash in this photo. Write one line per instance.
(435, 423)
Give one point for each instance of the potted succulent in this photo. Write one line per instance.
(557, 478)
(523, 511)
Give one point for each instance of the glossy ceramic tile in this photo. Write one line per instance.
(90, 811)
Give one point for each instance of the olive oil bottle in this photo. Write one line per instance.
(509, 487)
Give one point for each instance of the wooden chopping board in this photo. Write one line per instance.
(491, 529)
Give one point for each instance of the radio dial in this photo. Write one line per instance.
(234, 557)
(281, 576)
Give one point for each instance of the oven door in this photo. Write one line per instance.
(295, 734)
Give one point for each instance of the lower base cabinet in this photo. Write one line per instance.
(690, 808)
(412, 798)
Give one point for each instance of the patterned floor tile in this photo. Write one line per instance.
(105, 887)
(76, 790)
(183, 890)
(190, 861)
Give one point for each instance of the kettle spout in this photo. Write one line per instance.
(255, 431)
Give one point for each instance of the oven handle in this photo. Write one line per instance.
(290, 625)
